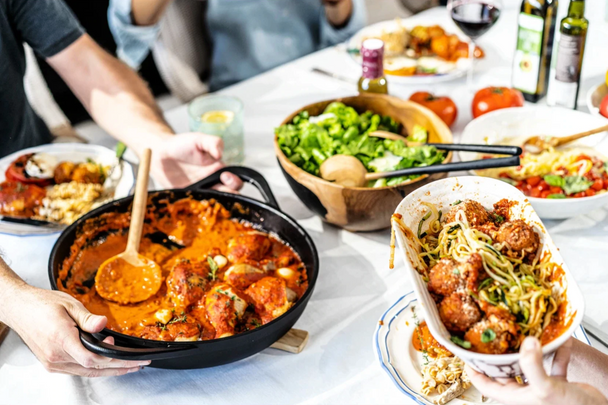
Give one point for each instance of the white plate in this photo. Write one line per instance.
(486, 191)
(523, 122)
(73, 152)
(392, 344)
(409, 23)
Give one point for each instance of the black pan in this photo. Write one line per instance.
(209, 353)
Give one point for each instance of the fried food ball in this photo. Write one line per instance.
(88, 173)
(473, 272)
(503, 209)
(475, 213)
(500, 335)
(252, 246)
(459, 312)
(444, 278)
(187, 281)
(63, 172)
(489, 228)
(520, 239)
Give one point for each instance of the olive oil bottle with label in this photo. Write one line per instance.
(532, 61)
(372, 79)
(570, 50)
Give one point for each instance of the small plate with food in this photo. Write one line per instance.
(417, 51)
(560, 183)
(45, 188)
(418, 364)
(486, 272)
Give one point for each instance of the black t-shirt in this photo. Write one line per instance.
(48, 26)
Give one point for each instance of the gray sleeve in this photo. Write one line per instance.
(48, 26)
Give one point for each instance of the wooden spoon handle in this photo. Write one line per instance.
(139, 202)
(571, 138)
(388, 135)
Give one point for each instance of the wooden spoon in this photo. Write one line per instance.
(129, 277)
(537, 144)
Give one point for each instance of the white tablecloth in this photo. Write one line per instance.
(355, 285)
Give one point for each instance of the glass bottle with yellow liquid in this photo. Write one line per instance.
(372, 79)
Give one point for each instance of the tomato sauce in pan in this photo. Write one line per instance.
(229, 277)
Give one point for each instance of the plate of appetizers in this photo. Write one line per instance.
(45, 188)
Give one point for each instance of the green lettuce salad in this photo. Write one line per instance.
(308, 141)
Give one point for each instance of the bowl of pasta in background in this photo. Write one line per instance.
(514, 125)
(487, 192)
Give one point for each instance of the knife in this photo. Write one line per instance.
(32, 222)
(596, 332)
(333, 75)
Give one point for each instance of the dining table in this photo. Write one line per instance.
(355, 285)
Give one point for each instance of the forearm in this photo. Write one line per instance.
(148, 12)
(338, 12)
(117, 98)
(588, 365)
(10, 282)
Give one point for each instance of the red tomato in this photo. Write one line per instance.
(579, 195)
(604, 106)
(16, 172)
(534, 180)
(556, 190)
(443, 106)
(535, 192)
(545, 194)
(589, 192)
(598, 185)
(495, 98)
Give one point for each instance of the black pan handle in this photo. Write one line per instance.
(244, 173)
(451, 167)
(97, 346)
(493, 149)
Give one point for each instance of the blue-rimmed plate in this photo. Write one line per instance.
(397, 356)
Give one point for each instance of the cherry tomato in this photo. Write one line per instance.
(589, 192)
(495, 98)
(545, 194)
(604, 106)
(556, 190)
(535, 192)
(579, 195)
(598, 185)
(16, 172)
(534, 180)
(443, 106)
(543, 185)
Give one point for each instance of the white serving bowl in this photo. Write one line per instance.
(595, 95)
(521, 123)
(486, 191)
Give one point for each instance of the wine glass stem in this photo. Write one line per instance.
(472, 65)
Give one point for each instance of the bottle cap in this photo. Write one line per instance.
(372, 51)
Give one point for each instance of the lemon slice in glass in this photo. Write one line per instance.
(218, 117)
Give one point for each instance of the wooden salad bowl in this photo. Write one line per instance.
(363, 208)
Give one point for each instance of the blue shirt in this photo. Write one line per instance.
(248, 36)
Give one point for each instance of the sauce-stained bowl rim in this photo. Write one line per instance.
(477, 188)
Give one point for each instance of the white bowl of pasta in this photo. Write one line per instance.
(486, 274)
(561, 183)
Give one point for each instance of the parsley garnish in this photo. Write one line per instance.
(456, 202)
(256, 323)
(460, 342)
(488, 335)
(213, 267)
(456, 271)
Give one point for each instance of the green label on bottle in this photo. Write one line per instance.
(526, 63)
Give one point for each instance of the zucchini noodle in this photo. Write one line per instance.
(525, 290)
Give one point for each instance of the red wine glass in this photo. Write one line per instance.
(474, 18)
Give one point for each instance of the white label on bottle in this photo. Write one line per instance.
(568, 58)
(526, 62)
(567, 71)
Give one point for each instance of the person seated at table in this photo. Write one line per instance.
(248, 37)
(120, 102)
(578, 376)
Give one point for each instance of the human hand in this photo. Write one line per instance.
(338, 12)
(184, 159)
(46, 321)
(541, 389)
